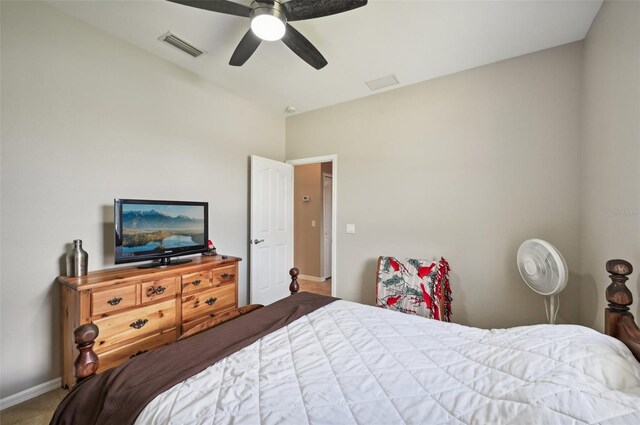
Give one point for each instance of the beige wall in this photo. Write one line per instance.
(465, 166)
(86, 118)
(307, 182)
(610, 154)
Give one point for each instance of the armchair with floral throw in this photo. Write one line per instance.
(414, 286)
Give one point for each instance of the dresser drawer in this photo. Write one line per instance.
(207, 302)
(194, 282)
(158, 289)
(223, 275)
(186, 326)
(113, 358)
(121, 328)
(113, 299)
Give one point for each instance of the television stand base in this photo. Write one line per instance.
(165, 262)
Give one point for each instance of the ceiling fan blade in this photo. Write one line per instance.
(303, 48)
(245, 49)
(298, 10)
(221, 6)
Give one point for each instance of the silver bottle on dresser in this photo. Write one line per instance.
(77, 260)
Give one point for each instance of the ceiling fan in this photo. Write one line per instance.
(269, 22)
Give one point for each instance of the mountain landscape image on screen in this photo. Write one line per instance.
(155, 230)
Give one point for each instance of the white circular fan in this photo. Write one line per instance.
(544, 270)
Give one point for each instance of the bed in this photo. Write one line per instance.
(320, 360)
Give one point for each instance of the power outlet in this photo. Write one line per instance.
(351, 228)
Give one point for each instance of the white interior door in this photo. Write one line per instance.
(271, 243)
(327, 185)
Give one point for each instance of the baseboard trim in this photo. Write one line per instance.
(30, 393)
(311, 278)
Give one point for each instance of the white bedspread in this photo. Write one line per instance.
(348, 363)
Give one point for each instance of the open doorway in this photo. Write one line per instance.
(314, 182)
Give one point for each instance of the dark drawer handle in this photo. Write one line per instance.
(155, 291)
(196, 282)
(114, 301)
(139, 323)
(211, 300)
(138, 353)
(227, 276)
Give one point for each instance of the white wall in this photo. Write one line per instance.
(86, 118)
(610, 154)
(465, 166)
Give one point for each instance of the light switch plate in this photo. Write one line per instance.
(351, 228)
(313, 223)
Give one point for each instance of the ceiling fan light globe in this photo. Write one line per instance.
(268, 27)
(268, 21)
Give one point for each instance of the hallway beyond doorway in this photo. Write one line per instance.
(322, 288)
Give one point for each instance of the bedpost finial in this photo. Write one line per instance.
(619, 267)
(294, 272)
(618, 295)
(294, 287)
(87, 362)
(85, 334)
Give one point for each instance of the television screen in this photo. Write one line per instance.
(148, 230)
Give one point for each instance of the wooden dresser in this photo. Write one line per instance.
(138, 310)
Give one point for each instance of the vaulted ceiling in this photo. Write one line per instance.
(416, 40)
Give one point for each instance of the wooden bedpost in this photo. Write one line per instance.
(618, 321)
(294, 287)
(87, 362)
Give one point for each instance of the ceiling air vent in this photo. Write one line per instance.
(179, 43)
(380, 83)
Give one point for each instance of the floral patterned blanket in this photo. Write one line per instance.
(414, 286)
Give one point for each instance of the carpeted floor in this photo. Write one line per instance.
(37, 411)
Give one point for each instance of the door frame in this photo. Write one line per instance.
(322, 244)
(333, 159)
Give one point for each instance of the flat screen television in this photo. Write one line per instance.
(159, 230)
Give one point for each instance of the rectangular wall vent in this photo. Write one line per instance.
(179, 43)
(380, 83)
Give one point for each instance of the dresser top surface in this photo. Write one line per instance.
(99, 278)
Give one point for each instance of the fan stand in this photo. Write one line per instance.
(551, 306)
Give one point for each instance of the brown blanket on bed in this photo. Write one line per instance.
(119, 395)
